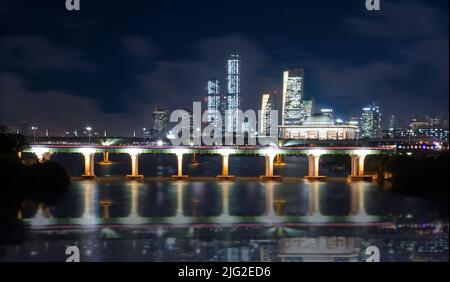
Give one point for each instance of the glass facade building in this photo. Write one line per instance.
(293, 82)
(233, 92)
(213, 99)
(295, 108)
(160, 124)
(267, 105)
(370, 125)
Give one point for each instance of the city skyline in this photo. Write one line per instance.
(117, 79)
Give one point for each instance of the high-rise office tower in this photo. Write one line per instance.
(267, 105)
(213, 99)
(293, 111)
(160, 124)
(370, 126)
(233, 92)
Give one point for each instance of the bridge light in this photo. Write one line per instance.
(317, 152)
(227, 151)
(87, 151)
(179, 151)
(39, 151)
(271, 152)
(362, 153)
(160, 143)
(133, 151)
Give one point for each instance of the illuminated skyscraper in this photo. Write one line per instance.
(160, 124)
(370, 125)
(233, 92)
(267, 105)
(213, 99)
(293, 111)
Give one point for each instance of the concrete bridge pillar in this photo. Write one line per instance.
(313, 167)
(180, 175)
(354, 165)
(225, 172)
(134, 167)
(89, 165)
(105, 160)
(279, 160)
(361, 160)
(194, 160)
(269, 157)
(357, 167)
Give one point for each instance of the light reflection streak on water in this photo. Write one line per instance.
(225, 216)
(314, 212)
(358, 205)
(273, 208)
(270, 216)
(179, 217)
(90, 191)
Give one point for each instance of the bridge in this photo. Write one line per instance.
(358, 154)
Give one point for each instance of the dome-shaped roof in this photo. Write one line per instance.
(319, 118)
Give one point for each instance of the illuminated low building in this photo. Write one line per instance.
(319, 127)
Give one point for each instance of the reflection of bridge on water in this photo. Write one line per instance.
(273, 208)
(357, 154)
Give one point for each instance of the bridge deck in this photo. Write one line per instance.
(210, 150)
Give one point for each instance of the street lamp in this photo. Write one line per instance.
(34, 128)
(89, 133)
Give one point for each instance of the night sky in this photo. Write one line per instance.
(110, 64)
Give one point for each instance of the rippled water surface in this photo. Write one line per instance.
(245, 220)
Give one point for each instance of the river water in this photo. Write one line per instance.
(111, 219)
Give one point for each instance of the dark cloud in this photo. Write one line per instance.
(402, 20)
(176, 84)
(37, 53)
(57, 110)
(138, 46)
(405, 78)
